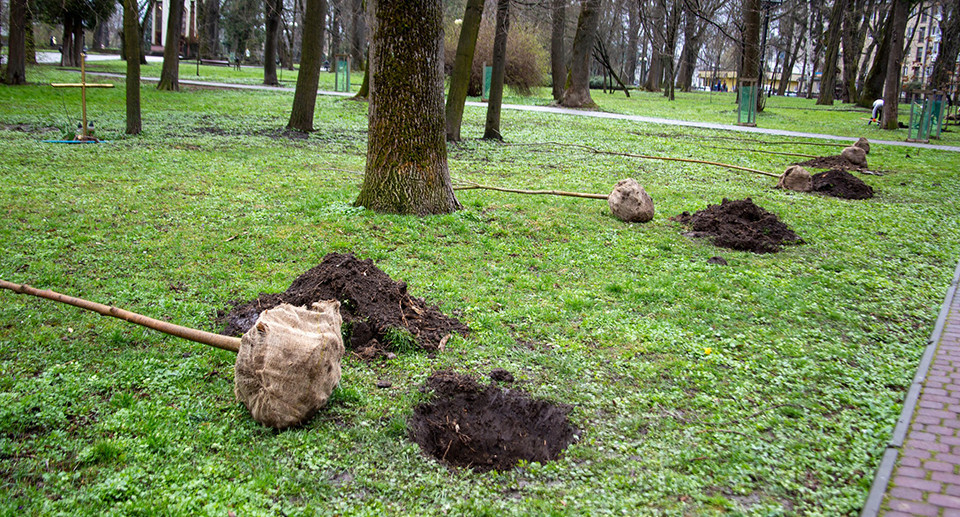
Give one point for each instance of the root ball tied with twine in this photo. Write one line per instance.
(287, 364)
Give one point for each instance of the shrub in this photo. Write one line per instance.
(526, 58)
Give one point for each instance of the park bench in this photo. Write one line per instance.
(215, 62)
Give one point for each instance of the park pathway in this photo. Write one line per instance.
(579, 113)
(920, 470)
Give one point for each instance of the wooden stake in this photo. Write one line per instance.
(207, 338)
(83, 85)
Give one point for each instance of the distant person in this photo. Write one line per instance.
(236, 60)
(877, 112)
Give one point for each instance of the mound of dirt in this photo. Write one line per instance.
(740, 225)
(842, 184)
(377, 311)
(486, 427)
(830, 162)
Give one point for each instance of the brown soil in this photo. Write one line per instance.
(830, 162)
(740, 225)
(486, 427)
(371, 303)
(842, 184)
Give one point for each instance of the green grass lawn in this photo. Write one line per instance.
(766, 387)
(787, 113)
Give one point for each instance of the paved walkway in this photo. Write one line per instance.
(582, 113)
(920, 470)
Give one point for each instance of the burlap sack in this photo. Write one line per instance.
(630, 202)
(289, 363)
(864, 144)
(855, 155)
(796, 178)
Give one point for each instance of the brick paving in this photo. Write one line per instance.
(920, 474)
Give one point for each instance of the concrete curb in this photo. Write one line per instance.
(881, 479)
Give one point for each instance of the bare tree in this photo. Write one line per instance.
(491, 128)
(828, 80)
(558, 66)
(170, 72)
(305, 95)
(949, 46)
(462, 64)
(131, 45)
(17, 42)
(272, 12)
(891, 85)
(577, 91)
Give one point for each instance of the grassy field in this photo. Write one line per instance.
(787, 113)
(766, 387)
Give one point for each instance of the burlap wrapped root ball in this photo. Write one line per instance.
(855, 155)
(630, 202)
(864, 144)
(289, 363)
(796, 178)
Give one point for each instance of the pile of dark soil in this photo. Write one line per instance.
(842, 184)
(830, 162)
(487, 427)
(377, 311)
(740, 225)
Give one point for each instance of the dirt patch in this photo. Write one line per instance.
(740, 225)
(377, 312)
(486, 427)
(842, 184)
(835, 162)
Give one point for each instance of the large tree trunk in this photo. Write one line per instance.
(407, 170)
(891, 86)
(131, 47)
(72, 41)
(273, 10)
(305, 95)
(462, 64)
(873, 85)
(558, 67)
(17, 55)
(491, 128)
(670, 49)
(828, 80)
(170, 72)
(577, 91)
(949, 46)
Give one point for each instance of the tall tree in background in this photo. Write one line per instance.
(828, 80)
(873, 84)
(209, 26)
(407, 171)
(816, 40)
(74, 16)
(855, 26)
(656, 26)
(305, 95)
(558, 67)
(272, 11)
(633, 41)
(751, 39)
(358, 34)
(170, 72)
(491, 129)
(949, 46)
(576, 94)
(891, 85)
(17, 43)
(131, 46)
(462, 64)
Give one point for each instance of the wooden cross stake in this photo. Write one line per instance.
(83, 85)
